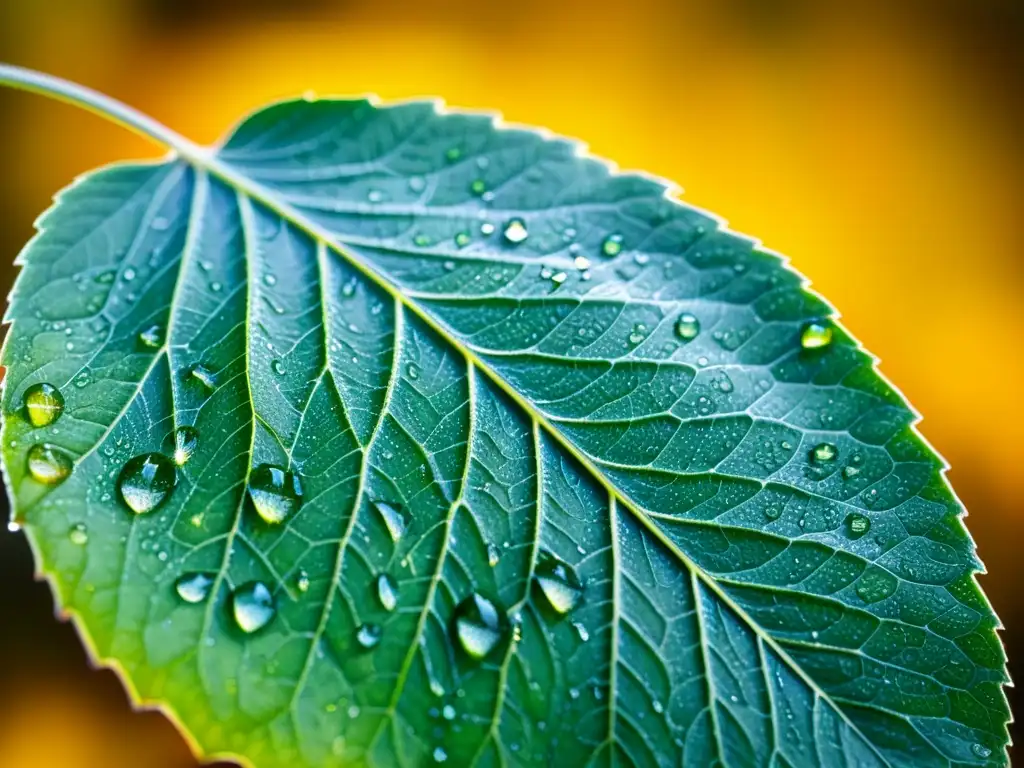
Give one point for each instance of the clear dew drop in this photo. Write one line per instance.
(638, 334)
(612, 245)
(493, 555)
(462, 239)
(368, 635)
(448, 712)
(981, 750)
(687, 327)
(393, 517)
(453, 154)
(277, 367)
(487, 228)
(48, 464)
(412, 371)
(478, 626)
(582, 631)
(152, 337)
(857, 525)
(146, 481)
(816, 334)
(515, 231)
(43, 404)
(252, 606)
(824, 453)
(478, 187)
(78, 534)
(421, 240)
(558, 583)
(387, 592)
(581, 263)
(276, 493)
(203, 375)
(302, 581)
(440, 755)
(186, 440)
(194, 587)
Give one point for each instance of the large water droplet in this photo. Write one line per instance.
(369, 635)
(152, 337)
(687, 327)
(478, 626)
(252, 605)
(559, 584)
(43, 404)
(275, 492)
(387, 592)
(393, 517)
(194, 587)
(816, 334)
(186, 440)
(612, 245)
(146, 482)
(515, 231)
(78, 534)
(48, 464)
(824, 453)
(857, 525)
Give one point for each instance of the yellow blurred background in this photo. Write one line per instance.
(877, 143)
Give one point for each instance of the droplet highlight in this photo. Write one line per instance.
(817, 334)
(478, 626)
(515, 231)
(43, 404)
(146, 482)
(276, 493)
(48, 464)
(78, 535)
(387, 592)
(252, 606)
(204, 376)
(824, 453)
(687, 327)
(152, 337)
(857, 525)
(558, 583)
(368, 636)
(612, 245)
(393, 517)
(194, 587)
(186, 440)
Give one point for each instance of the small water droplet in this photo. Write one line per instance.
(276, 493)
(462, 239)
(478, 626)
(194, 587)
(43, 404)
(369, 635)
(421, 240)
(558, 583)
(128, 275)
(269, 279)
(277, 367)
(253, 607)
(203, 375)
(448, 712)
(146, 481)
(387, 592)
(417, 183)
(393, 517)
(487, 228)
(186, 440)
(478, 187)
(687, 327)
(515, 231)
(638, 334)
(13, 527)
(857, 525)
(582, 631)
(612, 245)
(981, 750)
(816, 334)
(824, 453)
(493, 555)
(48, 464)
(78, 534)
(412, 371)
(581, 262)
(558, 278)
(440, 755)
(453, 154)
(152, 337)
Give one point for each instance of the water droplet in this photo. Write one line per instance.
(129, 275)
(478, 626)
(448, 712)
(462, 239)
(368, 635)
(393, 517)
(48, 464)
(638, 334)
(186, 440)
(487, 228)
(387, 592)
(687, 327)
(275, 492)
(478, 187)
(78, 534)
(493, 555)
(875, 585)
(558, 278)
(581, 262)
(269, 279)
(412, 371)
(43, 404)
(582, 631)
(453, 154)
(612, 245)
(773, 511)
(421, 240)
(559, 583)
(440, 755)
(203, 375)
(850, 472)
(857, 525)
(194, 587)
(816, 334)
(13, 527)
(981, 750)
(152, 337)
(824, 453)
(146, 481)
(277, 367)
(417, 183)
(160, 223)
(515, 231)
(252, 605)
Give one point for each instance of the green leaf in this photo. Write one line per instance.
(500, 457)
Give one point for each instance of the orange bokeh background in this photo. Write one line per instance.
(876, 143)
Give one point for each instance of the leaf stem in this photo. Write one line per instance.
(99, 104)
